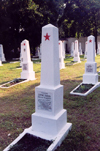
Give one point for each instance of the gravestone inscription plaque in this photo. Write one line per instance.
(45, 101)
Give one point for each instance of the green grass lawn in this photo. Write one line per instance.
(18, 103)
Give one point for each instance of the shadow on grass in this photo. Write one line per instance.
(82, 112)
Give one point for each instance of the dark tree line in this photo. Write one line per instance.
(23, 19)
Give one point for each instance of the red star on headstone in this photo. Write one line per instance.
(90, 40)
(47, 37)
(24, 44)
(59, 43)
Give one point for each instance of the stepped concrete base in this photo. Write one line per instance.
(89, 91)
(57, 140)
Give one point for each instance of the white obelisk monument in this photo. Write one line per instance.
(76, 52)
(86, 45)
(90, 76)
(80, 49)
(50, 118)
(2, 56)
(72, 49)
(27, 64)
(98, 50)
(61, 56)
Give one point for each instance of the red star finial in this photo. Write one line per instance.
(47, 37)
(90, 40)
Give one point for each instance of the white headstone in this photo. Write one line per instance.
(80, 49)
(72, 49)
(27, 64)
(2, 56)
(61, 56)
(40, 52)
(90, 75)
(86, 45)
(0, 63)
(98, 50)
(76, 52)
(63, 49)
(49, 117)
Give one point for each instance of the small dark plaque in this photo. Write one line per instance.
(25, 67)
(89, 68)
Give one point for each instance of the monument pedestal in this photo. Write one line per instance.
(61, 63)
(76, 58)
(50, 117)
(27, 72)
(76, 52)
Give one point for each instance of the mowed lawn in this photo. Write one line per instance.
(18, 103)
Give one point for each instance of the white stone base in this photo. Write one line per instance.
(62, 66)
(27, 71)
(89, 91)
(1, 63)
(49, 125)
(56, 140)
(90, 78)
(28, 75)
(76, 59)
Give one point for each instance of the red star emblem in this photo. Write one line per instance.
(47, 37)
(59, 43)
(24, 44)
(90, 40)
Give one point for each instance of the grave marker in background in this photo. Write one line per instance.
(61, 56)
(2, 56)
(90, 75)
(86, 44)
(80, 49)
(76, 52)
(27, 64)
(98, 50)
(72, 49)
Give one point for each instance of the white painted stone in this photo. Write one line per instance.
(27, 64)
(98, 50)
(49, 117)
(2, 56)
(76, 52)
(63, 49)
(80, 49)
(40, 52)
(86, 45)
(72, 49)
(61, 56)
(90, 75)
(0, 63)
(21, 59)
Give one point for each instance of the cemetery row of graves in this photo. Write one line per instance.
(45, 103)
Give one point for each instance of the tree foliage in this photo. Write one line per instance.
(23, 19)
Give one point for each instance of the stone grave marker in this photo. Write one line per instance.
(61, 56)
(86, 44)
(72, 49)
(90, 75)
(27, 64)
(98, 50)
(63, 49)
(80, 49)
(50, 118)
(2, 56)
(76, 52)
